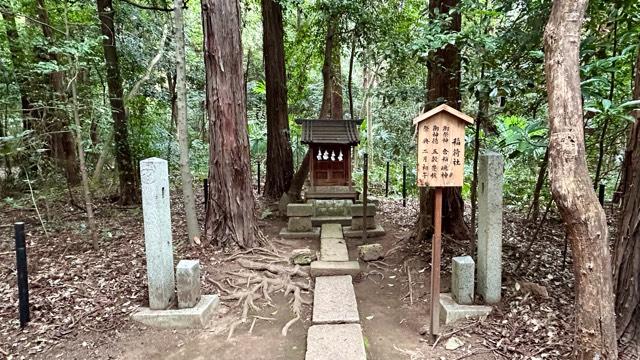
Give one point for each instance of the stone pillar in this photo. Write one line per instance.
(188, 283)
(154, 176)
(490, 226)
(462, 283)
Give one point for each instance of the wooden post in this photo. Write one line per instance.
(435, 263)
(23, 277)
(404, 185)
(386, 186)
(365, 189)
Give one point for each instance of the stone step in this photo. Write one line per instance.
(334, 301)
(321, 220)
(331, 268)
(331, 231)
(333, 249)
(333, 342)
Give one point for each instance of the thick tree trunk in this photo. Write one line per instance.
(231, 214)
(483, 116)
(331, 107)
(443, 86)
(59, 137)
(626, 269)
(193, 229)
(128, 191)
(279, 155)
(571, 185)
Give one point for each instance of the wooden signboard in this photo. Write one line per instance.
(441, 147)
(440, 164)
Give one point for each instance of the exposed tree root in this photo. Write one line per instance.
(263, 278)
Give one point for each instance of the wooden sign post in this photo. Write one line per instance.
(440, 164)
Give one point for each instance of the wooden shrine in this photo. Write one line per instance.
(440, 164)
(330, 143)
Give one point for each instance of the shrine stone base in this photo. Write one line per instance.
(450, 311)
(190, 318)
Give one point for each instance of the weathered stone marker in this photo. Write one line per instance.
(462, 284)
(154, 176)
(188, 283)
(490, 226)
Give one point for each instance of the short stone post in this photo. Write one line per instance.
(299, 217)
(188, 283)
(358, 213)
(154, 176)
(462, 272)
(490, 226)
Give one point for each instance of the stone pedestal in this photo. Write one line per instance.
(188, 283)
(490, 226)
(462, 279)
(299, 224)
(154, 176)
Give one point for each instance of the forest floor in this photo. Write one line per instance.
(81, 299)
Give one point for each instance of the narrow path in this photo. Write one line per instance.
(336, 332)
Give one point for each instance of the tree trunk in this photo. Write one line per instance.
(534, 210)
(193, 229)
(443, 86)
(626, 269)
(331, 107)
(59, 137)
(483, 115)
(571, 185)
(128, 191)
(279, 155)
(231, 214)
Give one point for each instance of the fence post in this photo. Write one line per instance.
(23, 278)
(386, 186)
(404, 185)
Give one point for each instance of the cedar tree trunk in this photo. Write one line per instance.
(193, 229)
(231, 214)
(443, 86)
(59, 137)
(571, 186)
(128, 190)
(279, 155)
(626, 269)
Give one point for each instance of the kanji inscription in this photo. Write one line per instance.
(441, 149)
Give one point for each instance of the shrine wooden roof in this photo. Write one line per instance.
(330, 131)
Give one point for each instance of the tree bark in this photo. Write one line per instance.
(534, 210)
(331, 107)
(626, 269)
(193, 229)
(279, 155)
(572, 188)
(443, 86)
(127, 184)
(231, 214)
(59, 137)
(483, 115)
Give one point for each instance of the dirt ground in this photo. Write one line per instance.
(81, 299)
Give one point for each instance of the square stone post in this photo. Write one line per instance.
(462, 279)
(490, 226)
(154, 175)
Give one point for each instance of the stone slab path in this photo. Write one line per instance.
(335, 301)
(336, 332)
(333, 249)
(333, 342)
